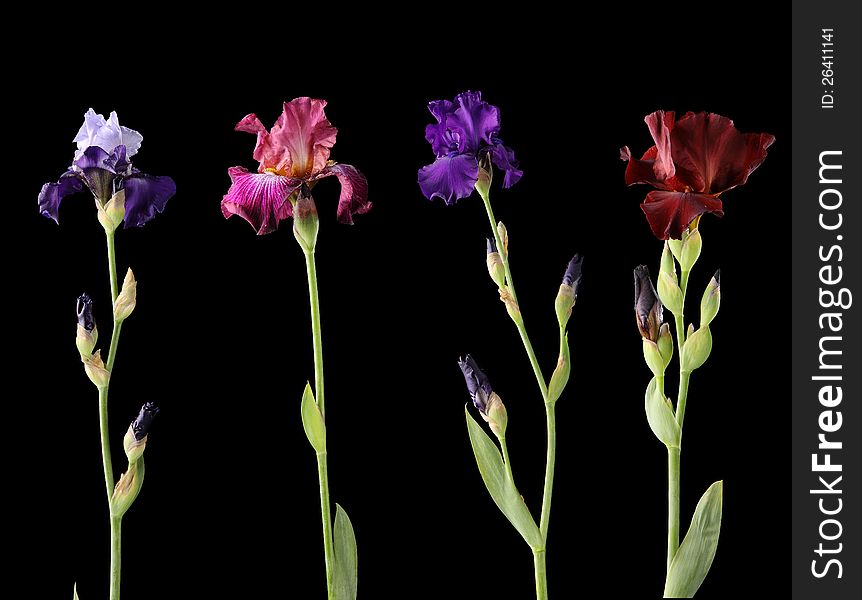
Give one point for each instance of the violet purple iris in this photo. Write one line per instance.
(477, 383)
(102, 164)
(141, 425)
(464, 136)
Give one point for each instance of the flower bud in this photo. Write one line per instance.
(696, 349)
(690, 250)
(306, 223)
(95, 369)
(496, 416)
(112, 213)
(711, 300)
(486, 174)
(665, 344)
(504, 238)
(495, 264)
(135, 439)
(670, 294)
(87, 334)
(653, 358)
(568, 293)
(511, 306)
(667, 262)
(648, 308)
(560, 376)
(127, 488)
(126, 300)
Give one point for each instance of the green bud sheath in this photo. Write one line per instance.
(312, 421)
(560, 376)
(497, 416)
(86, 340)
(127, 488)
(669, 293)
(667, 262)
(306, 223)
(111, 214)
(653, 358)
(127, 299)
(690, 249)
(665, 344)
(711, 300)
(95, 369)
(564, 303)
(696, 349)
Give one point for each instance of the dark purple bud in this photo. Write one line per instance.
(648, 308)
(572, 277)
(492, 245)
(84, 308)
(141, 425)
(477, 383)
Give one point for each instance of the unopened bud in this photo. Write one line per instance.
(87, 334)
(95, 369)
(504, 238)
(691, 247)
(126, 300)
(568, 293)
(486, 173)
(711, 300)
(306, 223)
(478, 384)
(560, 376)
(670, 294)
(653, 358)
(511, 306)
(135, 440)
(665, 344)
(112, 213)
(495, 264)
(696, 349)
(667, 262)
(127, 488)
(496, 416)
(648, 308)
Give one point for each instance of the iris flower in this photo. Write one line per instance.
(693, 161)
(295, 152)
(465, 134)
(102, 164)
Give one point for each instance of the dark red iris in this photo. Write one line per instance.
(693, 161)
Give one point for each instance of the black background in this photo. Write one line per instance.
(221, 336)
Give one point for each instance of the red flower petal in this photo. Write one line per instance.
(354, 191)
(259, 198)
(656, 165)
(669, 213)
(711, 155)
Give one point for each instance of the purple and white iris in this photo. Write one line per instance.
(102, 165)
(465, 134)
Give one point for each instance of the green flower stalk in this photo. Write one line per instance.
(695, 159)
(122, 195)
(294, 156)
(467, 146)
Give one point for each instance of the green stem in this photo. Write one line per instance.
(674, 454)
(106, 443)
(551, 420)
(541, 575)
(116, 540)
(672, 504)
(322, 469)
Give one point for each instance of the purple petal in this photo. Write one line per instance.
(53, 193)
(146, 195)
(259, 198)
(354, 191)
(477, 121)
(503, 158)
(97, 168)
(443, 141)
(449, 177)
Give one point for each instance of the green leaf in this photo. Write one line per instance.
(659, 414)
(312, 421)
(344, 542)
(500, 485)
(695, 554)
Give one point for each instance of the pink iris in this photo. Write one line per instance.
(295, 152)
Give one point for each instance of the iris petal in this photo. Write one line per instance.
(259, 198)
(146, 196)
(52, 194)
(354, 191)
(450, 177)
(669, 213)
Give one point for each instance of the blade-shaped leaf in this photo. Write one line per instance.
(695, 554)
(659, 414)
(312, 421)
(344, 542)
(500, 485)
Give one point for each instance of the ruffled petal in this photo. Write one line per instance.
(53, 193)
(712, 156)
(669, 213)
(449, 177)
(504, 159)
(442, 139)
(146, 196)
(259, 198)
(267, 157)
(304, 133)
(354, 191)
(660, 124)
(106, 134)
(475, 120)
